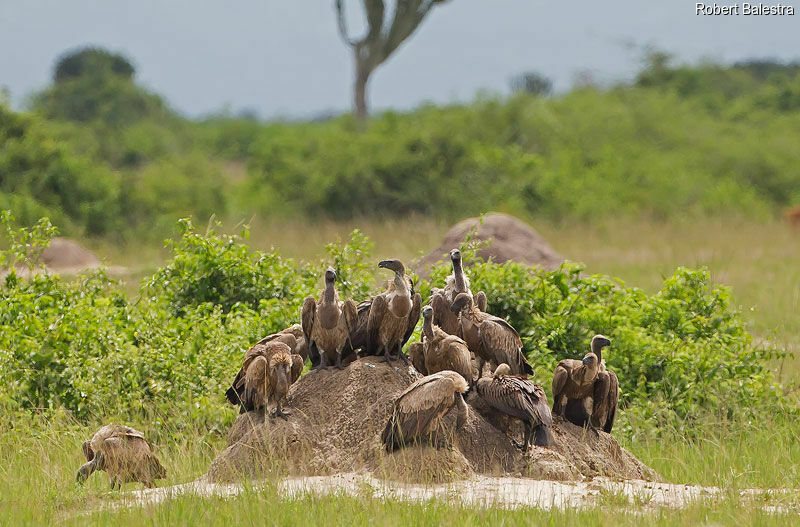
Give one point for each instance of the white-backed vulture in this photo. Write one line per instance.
(442, 351)
(490, 338)
(605, 398)
(574, 380)
(417, 411)
(327, 323)
(124, 454)
(267, 372)
(521, 399)
(442, 299)
(293, 337)
(393, 314)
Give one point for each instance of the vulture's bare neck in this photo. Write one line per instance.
(458, 274)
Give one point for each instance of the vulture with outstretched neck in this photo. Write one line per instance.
(574, 380)
(442, 299)
(267, 372)
(442, 351)
(605, 398)
(490, 338)
(418, 410)
(393, 314)
(520, 399)
(328, 323)
(124, 454)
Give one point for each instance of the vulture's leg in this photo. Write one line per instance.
(283, 414)
(562, 410)
(528, 435)
(339, 360)
(588, 407)
(400, 355)
(387, 357)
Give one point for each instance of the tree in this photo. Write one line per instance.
(94, 62)
(381, 39)
(533, 83)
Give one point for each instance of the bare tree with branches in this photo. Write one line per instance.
(383, 36)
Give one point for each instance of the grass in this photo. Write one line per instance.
(39, 455)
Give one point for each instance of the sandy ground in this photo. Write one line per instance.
(504, 492)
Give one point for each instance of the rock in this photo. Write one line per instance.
(68, 254)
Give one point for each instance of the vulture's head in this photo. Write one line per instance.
(503, 369)
(393, 265)
(590, 360)
(462, 301)
(455, 256)
(427, 313)
(599, 342)
(330, 276)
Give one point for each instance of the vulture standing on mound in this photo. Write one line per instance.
(327, 324)
(489, 337)
(267, 372)
(418, 410)
(521, 399)
(393, 314)
(293, 337)
(442, 299)
(442, 351)
(605, 398)
(124, 454)
(574, 380)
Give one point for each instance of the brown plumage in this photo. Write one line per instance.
(124, 454)
(327, 323)
(416, 354)
(417, 411)
(393, 315)
(521, 399)
(442, 299)
(442, 351)
(605, 398)
(267, 372)
(489, 337)
(574, 380)
(293, 337)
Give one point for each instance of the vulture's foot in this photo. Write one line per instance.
(387, 357)
(283, 414)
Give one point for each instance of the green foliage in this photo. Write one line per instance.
(92, 62)
(680, 354)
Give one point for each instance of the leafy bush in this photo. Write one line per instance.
(680, 354)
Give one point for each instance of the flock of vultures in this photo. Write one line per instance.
(459, 338)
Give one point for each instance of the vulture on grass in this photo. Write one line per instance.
(393, 315)
(124, 454)
(574, 382)
(327, 324)
(521, 399)
(490, 338)
(442, 299)
(442, 351)
(418, 410)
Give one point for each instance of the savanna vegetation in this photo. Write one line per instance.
(705, 153)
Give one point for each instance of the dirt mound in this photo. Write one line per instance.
(338, 415)
(67, 254)
(511, 239)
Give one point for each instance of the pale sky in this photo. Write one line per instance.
(284, 58)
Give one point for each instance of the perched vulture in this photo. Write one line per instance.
(489, 337)
(293, 337)
(442, 299)
(521, 399)
(418, 410)
(574, 380)
(605, 398)
(327, 324)
(267, 372)
(416, 352)
(393, 314)
(442, 351)
(124, 454)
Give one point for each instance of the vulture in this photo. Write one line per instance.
(489, 337)
(442, 299)
(418, 410)
(124, 454)
(574, 380)
(327, 323)
(267, 372)
(442, 351)
(605, 398)
(416, 353)
(393, 314)
(293, 337)
(521, 399)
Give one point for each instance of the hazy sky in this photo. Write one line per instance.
(285, 57)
